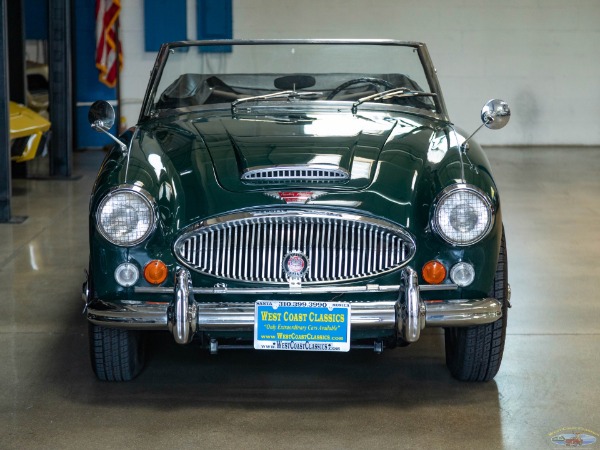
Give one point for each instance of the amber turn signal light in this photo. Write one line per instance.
(155, 272)
(434, 272)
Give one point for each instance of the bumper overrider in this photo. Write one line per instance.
(184, 316)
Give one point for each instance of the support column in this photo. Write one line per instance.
(16, 51)
(5, 178)
(61, 88)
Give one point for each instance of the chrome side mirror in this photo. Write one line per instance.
(495, 114)
(101, 115)
(102, 118)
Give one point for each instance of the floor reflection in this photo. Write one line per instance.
(404, 398)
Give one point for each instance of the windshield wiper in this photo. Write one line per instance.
(274, 95)
(391, 93)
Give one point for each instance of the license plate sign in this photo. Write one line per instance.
(300, 325)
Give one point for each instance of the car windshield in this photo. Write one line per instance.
(251, 73)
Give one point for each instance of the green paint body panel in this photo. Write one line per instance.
(191, 164)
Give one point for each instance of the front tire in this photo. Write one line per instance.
(475, 353)
(116, 354)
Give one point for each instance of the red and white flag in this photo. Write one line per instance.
(108, 49)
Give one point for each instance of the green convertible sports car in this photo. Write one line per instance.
(308, 195)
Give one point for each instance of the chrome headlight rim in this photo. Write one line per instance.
(146, 198)
(451, 190)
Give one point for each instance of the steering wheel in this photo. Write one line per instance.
(348, 83)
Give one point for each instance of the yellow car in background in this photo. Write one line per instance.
(29, 133)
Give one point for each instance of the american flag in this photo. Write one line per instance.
(108, 50)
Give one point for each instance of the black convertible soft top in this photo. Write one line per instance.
(197, 89)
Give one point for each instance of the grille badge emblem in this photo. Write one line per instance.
(295, 197)
(295, 266)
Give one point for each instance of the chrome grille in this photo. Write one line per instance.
(252, 247)
(295, 173)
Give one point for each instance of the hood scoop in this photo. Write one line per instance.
(313, 173)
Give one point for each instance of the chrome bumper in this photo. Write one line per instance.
(184, 316)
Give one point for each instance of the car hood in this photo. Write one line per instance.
(193, 163)
(339, 142)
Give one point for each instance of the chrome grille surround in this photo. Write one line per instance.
(309, 173)
(250, 247)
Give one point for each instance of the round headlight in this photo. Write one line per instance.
(463, 215)
(125, 216)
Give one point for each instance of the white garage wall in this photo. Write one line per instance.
(541, 56)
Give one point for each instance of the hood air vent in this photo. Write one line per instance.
(302, 174)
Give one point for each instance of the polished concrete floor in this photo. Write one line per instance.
(549, 382)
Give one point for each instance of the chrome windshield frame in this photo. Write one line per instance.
(421, 48)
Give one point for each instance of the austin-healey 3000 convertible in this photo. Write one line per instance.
(299, 195)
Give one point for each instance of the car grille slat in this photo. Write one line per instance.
(337, 247)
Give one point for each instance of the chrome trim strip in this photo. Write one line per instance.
(240, 316)
(302, 290)
(304, 213)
